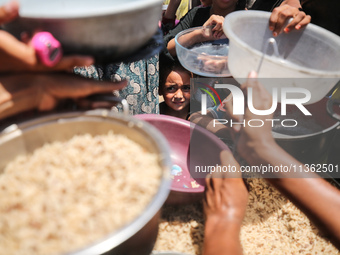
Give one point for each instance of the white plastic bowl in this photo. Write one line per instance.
(312, 53)
(202, 57)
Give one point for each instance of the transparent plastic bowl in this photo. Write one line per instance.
(312, 53)
(201, 56)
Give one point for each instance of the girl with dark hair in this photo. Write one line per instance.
(174, 86)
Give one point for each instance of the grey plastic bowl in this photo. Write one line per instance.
(110, 27)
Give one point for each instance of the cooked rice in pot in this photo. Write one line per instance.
(67, 195)
(272, 225)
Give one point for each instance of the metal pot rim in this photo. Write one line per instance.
(119, 236)
(114, 9)
(280, 136)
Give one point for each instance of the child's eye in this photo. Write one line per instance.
(186, 88)
(171, 89)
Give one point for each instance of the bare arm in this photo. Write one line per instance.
(23, 92)
(208, 122)
(319, 200)
(293, 3)
(190, 38)
(18, 56)
(222, 237)
(205, 34)
(225, 204)
(170, 12)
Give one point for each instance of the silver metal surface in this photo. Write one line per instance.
(311, 139)
(25, 137)
(333, 102)
(91, 27)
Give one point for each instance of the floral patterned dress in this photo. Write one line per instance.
(141, 92)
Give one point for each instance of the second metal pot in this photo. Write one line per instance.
(310, 140)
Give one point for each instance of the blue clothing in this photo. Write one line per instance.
(141, 92)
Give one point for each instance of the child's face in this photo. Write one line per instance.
(176, 91)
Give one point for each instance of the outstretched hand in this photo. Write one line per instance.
(280, 17)
(22, 92)
(9, 12)
(19, 55)
(215, 22)
(225, 204)
(226, 195)
(250, 139)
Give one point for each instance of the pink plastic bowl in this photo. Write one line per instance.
(205, 150)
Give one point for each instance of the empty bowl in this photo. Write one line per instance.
(308, 58)
(190, 146)
(200, 55)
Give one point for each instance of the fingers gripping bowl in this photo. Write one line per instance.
(202, 55)
(308, 58)
(81, 220)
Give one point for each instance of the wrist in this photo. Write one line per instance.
(215, 230)
(221, 236)
(265, 147)
(194, 37)
(259, 151)
(222, 224)
(293, 3)
(18, 94)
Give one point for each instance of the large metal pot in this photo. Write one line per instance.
(310, 140)
(139, 236)
(101, 27)
(334, 103)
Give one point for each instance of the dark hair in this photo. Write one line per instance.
(241, 5)
(167, 64)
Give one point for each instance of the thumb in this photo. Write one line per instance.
(9, 12)
(107, 86)
(67, 63)
(251, 81)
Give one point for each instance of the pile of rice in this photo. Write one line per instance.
(273, 225)
(67, 195)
